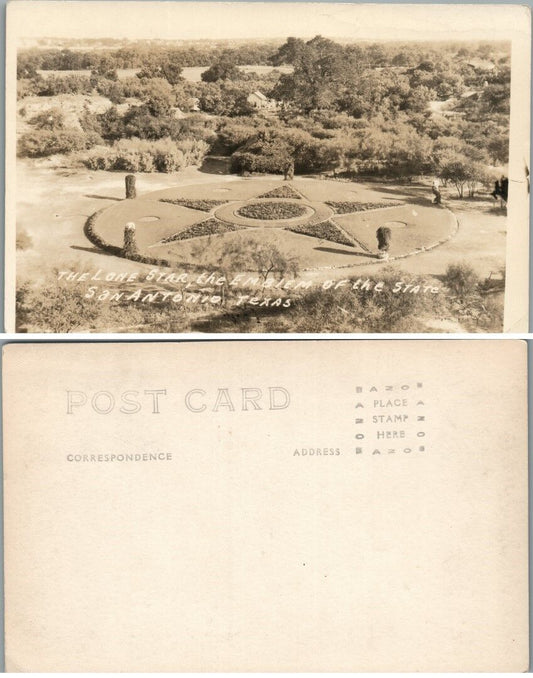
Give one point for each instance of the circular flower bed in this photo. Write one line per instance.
(271, 210)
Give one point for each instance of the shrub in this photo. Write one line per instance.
(43, 142)
(345, 310)
(55, 308)
(140, 155)
(383, 234)
(24, 241)
(99, 158)
(27, 88)
(50, 119)
(461, 280)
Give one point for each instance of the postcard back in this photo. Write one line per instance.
(266, 506)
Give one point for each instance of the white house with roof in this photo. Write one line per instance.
(260, 102)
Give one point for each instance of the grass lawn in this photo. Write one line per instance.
(412, 226)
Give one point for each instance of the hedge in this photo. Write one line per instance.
(97, 241)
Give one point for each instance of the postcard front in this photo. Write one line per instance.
(175, 167)
(266, 506)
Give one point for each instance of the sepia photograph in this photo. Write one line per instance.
(267, 168)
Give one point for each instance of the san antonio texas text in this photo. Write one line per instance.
(208, 287)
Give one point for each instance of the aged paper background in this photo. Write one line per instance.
(406, 22)
(242, 553)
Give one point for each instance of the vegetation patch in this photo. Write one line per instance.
(325, 230)
(208, 227)
(282, 192)
(24, 241)
(348, 207)
(272, 211)
(202, 205)
(143, 155)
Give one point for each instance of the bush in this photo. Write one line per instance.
(385, 311)
(140, 155)
(461, 280)
(43, 142)
(27, 88)
(383, 235)
(24, 241)
(344, 310)
(55, 308)
(50, 119)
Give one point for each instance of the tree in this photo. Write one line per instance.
(462, 280)
(157, 95)
(289, 52)
(26, 69)
(267, 259)
(168, 69)
(109, 124)
(321, 70)
(139, 122)
(498, 147)
(266, 152)
(394, 148)
(462, 171)
(224, 98)
(105, 68)
(224, 68)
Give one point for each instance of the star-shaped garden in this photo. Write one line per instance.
(325, 223)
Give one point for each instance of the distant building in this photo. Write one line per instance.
(260, 102)
(481, 65)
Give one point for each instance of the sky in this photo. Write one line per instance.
(248, 20)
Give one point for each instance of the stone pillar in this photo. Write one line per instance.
(383, 234)
(130, 186)
(289, 171)
(130, 245)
